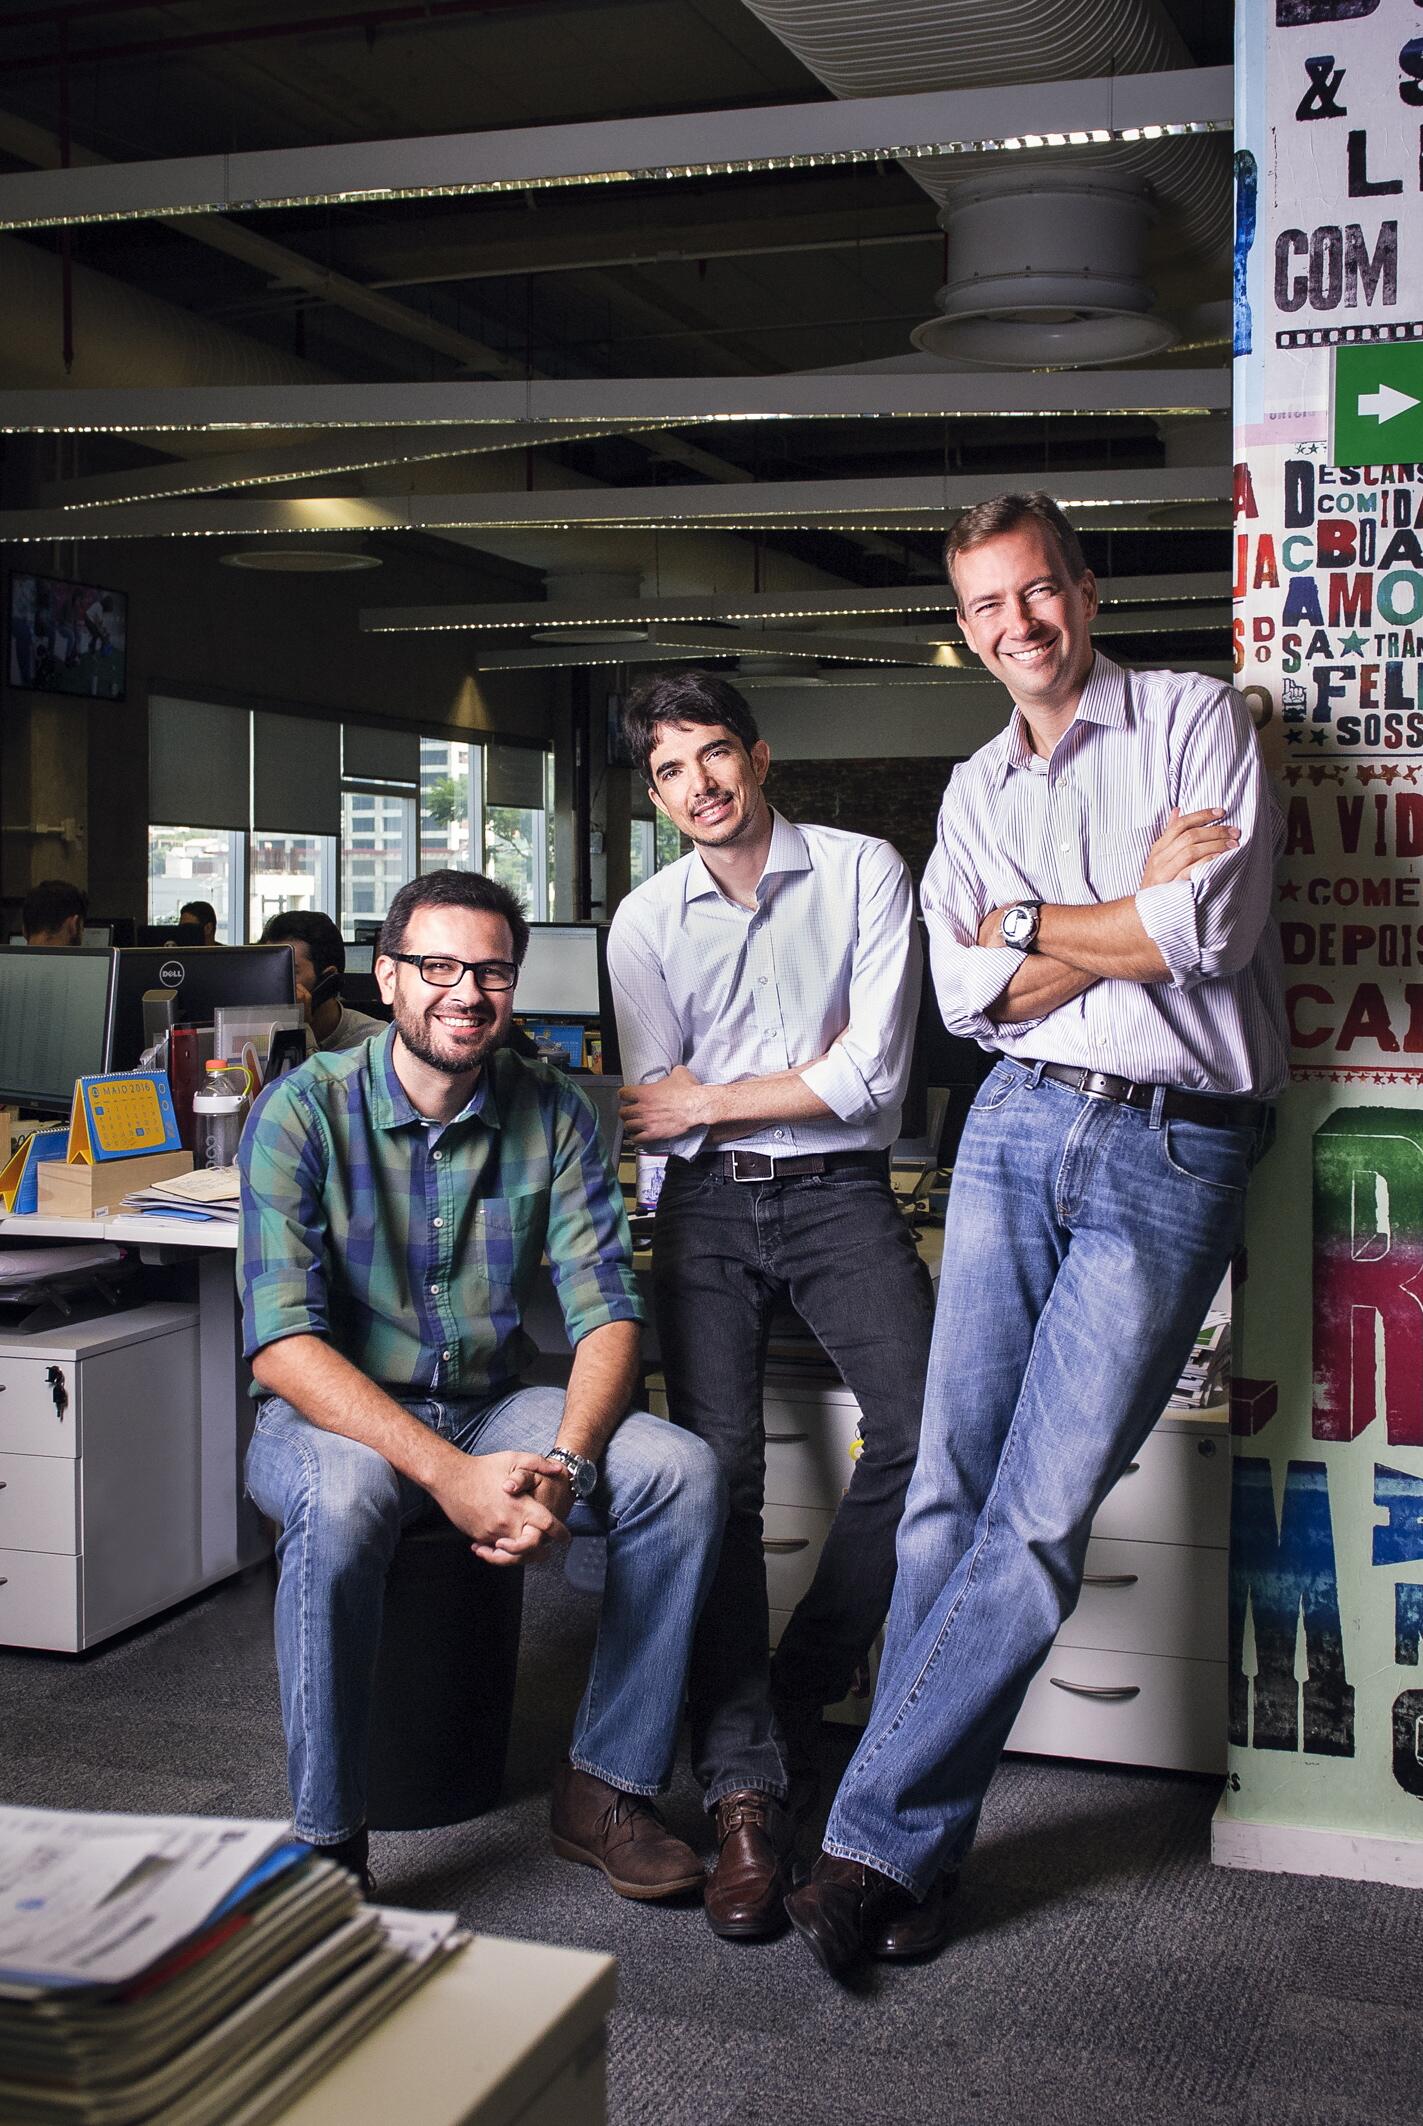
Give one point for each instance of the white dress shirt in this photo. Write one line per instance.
(1076, 829)
(825, 966)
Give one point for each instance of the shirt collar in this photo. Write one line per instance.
(391, 1105)
(788, 852)
(1103, 700)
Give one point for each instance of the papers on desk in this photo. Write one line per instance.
(185, 1971)
(212, 1192)
(1205, 1378)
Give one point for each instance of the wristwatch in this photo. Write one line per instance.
(582, 1474)
(1018, 925)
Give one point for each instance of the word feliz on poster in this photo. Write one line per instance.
(1354, 273)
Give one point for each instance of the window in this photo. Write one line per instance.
(451, 805)
(655, 844)
(197, 864)
(488, 808)
(377, 851)
(290, 871)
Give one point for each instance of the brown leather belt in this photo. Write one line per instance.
(1176, 1107)
(771, 1166)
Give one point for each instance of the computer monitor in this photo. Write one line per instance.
(559, 977)
(198, 978)
(360, 959)
(54, 1012)
(100, 935)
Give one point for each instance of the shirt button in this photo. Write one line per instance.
(436, 1155)
(1064, 847)
(435, 1290)
(438, 1222)
(761, 981)
(444, 1354)
(778, 1133)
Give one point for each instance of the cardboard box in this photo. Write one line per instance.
(96, 1191)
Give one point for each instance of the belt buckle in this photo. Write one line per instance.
(1094, 1092)
(766, 1159)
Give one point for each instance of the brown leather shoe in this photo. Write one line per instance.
(745, 1896)
(601, 1827)
(848, 1911)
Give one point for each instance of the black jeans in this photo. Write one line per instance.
(836, 1245)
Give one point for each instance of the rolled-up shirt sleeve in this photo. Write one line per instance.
(281, 1237)
(1210, 924)
(588, 1242)
(968, 977)
(866, 1069)
(650, 1042)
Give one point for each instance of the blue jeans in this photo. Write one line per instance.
(1085, 1241)
(341, 1507)
(837, 1246)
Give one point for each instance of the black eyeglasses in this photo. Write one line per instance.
(443, 973)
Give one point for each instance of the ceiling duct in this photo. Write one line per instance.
(891, 47)
(1046, 271)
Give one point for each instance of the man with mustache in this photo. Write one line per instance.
(1098, 904)
(766, 988)
(396, 1202)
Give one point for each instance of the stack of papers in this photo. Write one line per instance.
(1205, 1378)
(185, 1971)
(210, 1193)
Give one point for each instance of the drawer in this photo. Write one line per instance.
(808, 1459)
(791, 1539)
(40, 1594)
(39, 1503)
(1151, 1598)
(1126, 1709)
(1177, 1492)
(29, 1423)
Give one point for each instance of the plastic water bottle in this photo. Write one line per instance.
(220, 1108)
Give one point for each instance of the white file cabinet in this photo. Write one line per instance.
(99, 1476)
(1137, 1674)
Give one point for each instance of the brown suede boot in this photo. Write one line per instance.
(601, 1827)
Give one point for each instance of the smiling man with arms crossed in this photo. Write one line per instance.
(766, 989)
(1099, 912)
(396, 1202)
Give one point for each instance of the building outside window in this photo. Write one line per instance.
(197, 864)
(655, 843)
(290, 871)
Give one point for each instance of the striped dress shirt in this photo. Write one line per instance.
(1077, 828)
(824, 970)
(413, 1249)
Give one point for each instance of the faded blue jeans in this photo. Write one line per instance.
(660, 1501)
(1085, 1241)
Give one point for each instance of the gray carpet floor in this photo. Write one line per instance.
(1101, 1970)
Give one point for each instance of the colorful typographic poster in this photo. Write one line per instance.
(1326, 1611)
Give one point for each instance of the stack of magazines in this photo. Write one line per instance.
(185, 1970)
(212, 1193)
(1205, 1378)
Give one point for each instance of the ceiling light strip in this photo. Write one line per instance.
(590, 402)
(1055, 115)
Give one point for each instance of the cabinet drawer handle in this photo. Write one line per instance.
(1110, 1579)
(1131, 1468)
(4, 1486)
(785, 1439)
(782, 1545)
(1113, 1692)
(3, 1581)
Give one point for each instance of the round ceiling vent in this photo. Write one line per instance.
(1045, 271)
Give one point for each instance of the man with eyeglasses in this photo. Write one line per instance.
(397, 1201)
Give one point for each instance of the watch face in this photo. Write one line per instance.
(1019, 926)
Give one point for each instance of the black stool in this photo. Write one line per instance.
(444, 1684)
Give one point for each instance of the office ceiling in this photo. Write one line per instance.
(663, 293)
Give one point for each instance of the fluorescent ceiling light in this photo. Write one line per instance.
(1058, 116)
(591, 403)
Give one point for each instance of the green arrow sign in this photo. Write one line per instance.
(1376, 405)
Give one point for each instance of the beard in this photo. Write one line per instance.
(421, 1035)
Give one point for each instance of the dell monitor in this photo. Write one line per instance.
(559, 977)
(198, 979)
(54, 1012)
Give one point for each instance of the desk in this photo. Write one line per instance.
(509, 2034)
(229, 1532)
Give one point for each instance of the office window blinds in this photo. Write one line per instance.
(514, 775)
(296, 775)
(198, 763)
(372, 755)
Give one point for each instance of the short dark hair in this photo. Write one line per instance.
(51, 903)
(309, 927)
(200, 911)
(455, 889)
(989, 520)
(681, 698)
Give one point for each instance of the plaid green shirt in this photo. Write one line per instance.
(413, 1249)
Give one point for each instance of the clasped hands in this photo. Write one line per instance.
(1187, 842)
(672, 1107)
(514, 1507)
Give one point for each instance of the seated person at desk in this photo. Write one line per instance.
(54, 913)
(200, 916)
(396, 1202)
(320, 957)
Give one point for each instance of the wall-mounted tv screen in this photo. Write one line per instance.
(67, 638)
